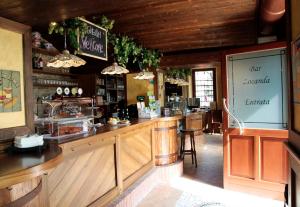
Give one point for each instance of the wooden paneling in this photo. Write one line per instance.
(168, 25)
(242, 156)
(256, 164)
(274, 170)
(173, 60)
(136, 150)
(87, 173)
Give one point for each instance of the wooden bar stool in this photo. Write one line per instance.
(192, 151)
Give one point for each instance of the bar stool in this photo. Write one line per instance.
(192, 151)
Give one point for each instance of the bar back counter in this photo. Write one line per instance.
(92, 170)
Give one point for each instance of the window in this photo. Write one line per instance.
(204, 86)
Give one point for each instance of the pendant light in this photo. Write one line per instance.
(65, 59)
(177, 81)
(144, 74)
(114, 69)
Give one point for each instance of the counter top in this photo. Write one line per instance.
(115, 128)
(15, 168)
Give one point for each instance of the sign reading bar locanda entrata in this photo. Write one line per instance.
(94, 42)
(257, 88)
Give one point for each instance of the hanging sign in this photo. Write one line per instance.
(94, 42)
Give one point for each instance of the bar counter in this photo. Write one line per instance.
(92, 169)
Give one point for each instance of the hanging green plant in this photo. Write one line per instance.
(125, 49)
(181, 73)
(71, 27)
(105, 23)
(150, 58)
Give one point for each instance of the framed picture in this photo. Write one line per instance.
(16, 112)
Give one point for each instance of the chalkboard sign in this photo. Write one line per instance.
(94, 42)
(257, 89)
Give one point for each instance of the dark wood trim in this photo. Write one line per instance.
(255, 48)
(294, 136)
(9, 133)
(156, 84)
(13, 26)
(292, 151)
(214, 81)
(26, 198)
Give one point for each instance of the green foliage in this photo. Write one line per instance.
(150, 58)
(106, 23)
(70, 27)
(181, 73)
(124, 48)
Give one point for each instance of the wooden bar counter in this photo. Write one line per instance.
(97, 168)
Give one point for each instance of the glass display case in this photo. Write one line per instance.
(64, 117)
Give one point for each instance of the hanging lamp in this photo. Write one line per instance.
(114, 69)
(144, 74)
(65, 59)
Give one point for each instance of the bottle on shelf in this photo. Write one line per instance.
(40, 63)
(127, 114)
(35, 62)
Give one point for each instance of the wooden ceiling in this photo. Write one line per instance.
(167, 25)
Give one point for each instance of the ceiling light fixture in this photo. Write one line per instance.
(114, 69)
(65, 59)
(144, 75)
(177, 81)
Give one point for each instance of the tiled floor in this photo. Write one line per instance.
(202, 186)
(209, 150)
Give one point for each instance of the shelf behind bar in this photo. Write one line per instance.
(38, 71)
(51, 85)
(43, 51)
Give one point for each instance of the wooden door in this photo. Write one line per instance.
(255, 161)
(293, 144)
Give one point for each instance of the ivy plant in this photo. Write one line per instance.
(70, 27)
(150, 58)
(181, 73)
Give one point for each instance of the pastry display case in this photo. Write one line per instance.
(64, 117)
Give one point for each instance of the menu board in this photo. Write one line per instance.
(257, 89)
(94, 42)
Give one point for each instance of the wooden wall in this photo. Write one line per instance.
(137, 88)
